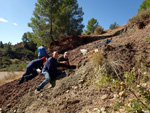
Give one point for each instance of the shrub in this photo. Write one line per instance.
(148, 38)
(22, 53)
(16, 67)
(113, 26)
(110, 74)
(83, 33)
(87, 32)
(107, 66)
(97, 58)
(4, 62)
(142, 15)
(99, 30)
(14, 60)
(8, 47)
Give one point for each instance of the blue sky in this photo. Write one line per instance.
(16, 14)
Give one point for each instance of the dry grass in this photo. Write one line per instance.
(107, 66)
(97, 58)
(10, 77)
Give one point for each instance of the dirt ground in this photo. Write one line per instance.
(71, 92)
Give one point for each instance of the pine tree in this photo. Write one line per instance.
(92, 25)
(42, 22)
(74, 15)
(145, 5)
(1, 44)
(53, 18)
(28, 44)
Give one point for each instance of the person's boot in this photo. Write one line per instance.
(25, 79)
(21, 80)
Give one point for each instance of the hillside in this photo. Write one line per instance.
(79, 91)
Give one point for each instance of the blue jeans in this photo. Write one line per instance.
(48, 78)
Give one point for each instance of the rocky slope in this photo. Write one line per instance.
(77, 90)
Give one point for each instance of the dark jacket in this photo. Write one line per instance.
(51, 67)
(61, 58)
(37, 63)
(107, 41)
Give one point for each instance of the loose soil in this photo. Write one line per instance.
(74, 90)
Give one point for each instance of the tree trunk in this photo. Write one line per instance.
(50, 33)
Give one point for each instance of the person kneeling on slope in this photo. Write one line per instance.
(31, 69)
(63, 61)
(50, 70)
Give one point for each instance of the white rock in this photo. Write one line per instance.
(67, 91)
(96, 50)
(116, 96)
(104, 96)
(143, 84)
(83, 51)
(96, 110)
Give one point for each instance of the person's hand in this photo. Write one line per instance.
(60, 68)
(39, 70)
(63, 68)
(65, 62)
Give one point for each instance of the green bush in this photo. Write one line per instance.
(13, 60)
(99, 30)
(130, 83)
(16, 67)
(142, 15)
(24, 54)
(4, 62)
(135, 107)
(148, 38)
(113, 26)
(8, 64)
